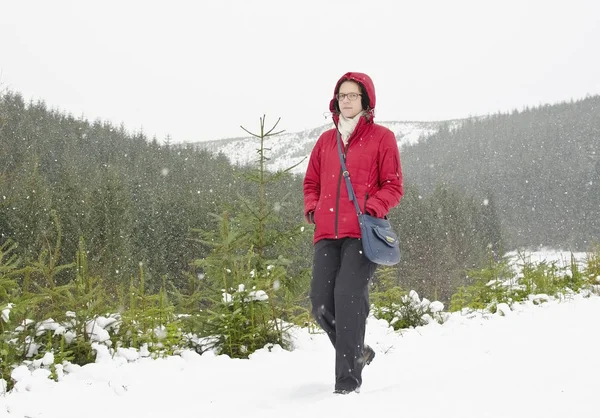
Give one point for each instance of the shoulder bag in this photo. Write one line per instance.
(380, 243)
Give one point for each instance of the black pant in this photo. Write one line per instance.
(340, 303)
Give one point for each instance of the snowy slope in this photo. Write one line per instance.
(288, 149)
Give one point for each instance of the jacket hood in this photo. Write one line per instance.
(366, 82)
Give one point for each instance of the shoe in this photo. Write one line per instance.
(341, 391)
(368, 354)
(346, 391)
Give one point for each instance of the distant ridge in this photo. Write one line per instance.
(288, 149)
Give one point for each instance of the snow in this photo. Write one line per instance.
(560, 257)
(289, 149)
(526, 360)
(5, 315)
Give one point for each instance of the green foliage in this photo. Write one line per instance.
(76, 305)
(251, 292)
(487, 287)
(499, 283)
(61, 322)
(399, 308)
(136, 201)
(27, 205)
(241, 323)
(47, 269)
(442, 235)
(551, 279)
(148, 322)
(132, 199)
(8, 264)
(592, 270)
(541, 277)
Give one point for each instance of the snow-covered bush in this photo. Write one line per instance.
(53, 326)
(511, 281)
(399, 308)
(411, 311)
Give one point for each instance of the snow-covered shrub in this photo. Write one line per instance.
(53, 326)
(522, 280)
(9, 345)
(487, 288)
(410, 311)
(149, 322)
(399, 308)
(239, 320)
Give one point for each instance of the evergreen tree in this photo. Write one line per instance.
(247, 269)
(110, 225)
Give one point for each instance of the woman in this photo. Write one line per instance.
(341, 273)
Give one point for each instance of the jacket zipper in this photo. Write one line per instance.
(365, 205)
(337, 201)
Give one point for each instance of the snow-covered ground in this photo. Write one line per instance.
(560, 257)
(537, 361)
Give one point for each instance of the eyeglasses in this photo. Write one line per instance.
(350, 96)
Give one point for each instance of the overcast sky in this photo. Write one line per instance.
(197, 70)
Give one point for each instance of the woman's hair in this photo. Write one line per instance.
(365, 101)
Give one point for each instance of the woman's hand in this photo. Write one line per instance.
(310, 217)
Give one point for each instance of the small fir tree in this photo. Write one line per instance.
(253, 295)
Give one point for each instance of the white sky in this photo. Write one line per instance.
(198, 70)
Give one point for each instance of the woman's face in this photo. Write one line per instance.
(349, 90)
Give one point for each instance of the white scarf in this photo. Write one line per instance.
(346, 125)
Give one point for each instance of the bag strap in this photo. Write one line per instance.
(346, 175)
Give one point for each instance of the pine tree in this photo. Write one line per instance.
(247, 269)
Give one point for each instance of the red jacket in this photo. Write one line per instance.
(373, 161)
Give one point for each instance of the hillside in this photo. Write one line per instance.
(289, 149)
(136, 201)
(540, 166)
